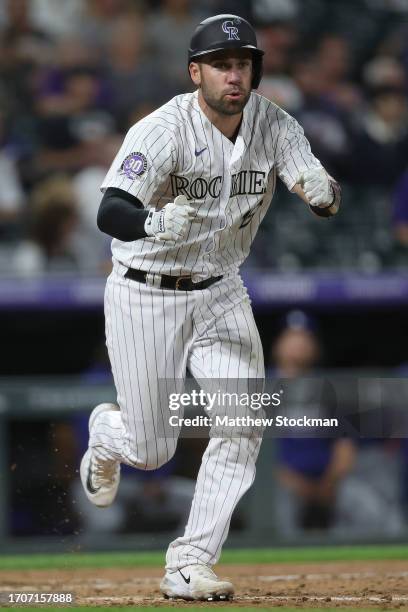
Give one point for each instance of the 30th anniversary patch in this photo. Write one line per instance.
(134, 165)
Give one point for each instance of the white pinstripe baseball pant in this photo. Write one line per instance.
(155, 334)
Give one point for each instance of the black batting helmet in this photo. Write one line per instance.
(226, 32)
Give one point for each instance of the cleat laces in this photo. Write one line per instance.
(103, 473)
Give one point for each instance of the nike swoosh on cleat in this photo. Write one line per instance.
(197, 153)
(186, 580)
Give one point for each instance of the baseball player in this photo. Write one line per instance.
(183, 200)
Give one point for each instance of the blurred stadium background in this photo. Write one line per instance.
(73, 77)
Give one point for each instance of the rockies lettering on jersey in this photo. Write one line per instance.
(245, 181)
(176, 150)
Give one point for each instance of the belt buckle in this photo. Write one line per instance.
(179, 279)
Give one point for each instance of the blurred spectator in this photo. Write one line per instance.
(381, 141)
(11, 195)
(23, 48)
(310, 470)
(86, 184)
(400, 386)
(70, 53)
(169, 32)
(399, 6)
(318, 91)
(400, 211)
(326, 123)
(323, 482)
(132, 75)
(329, 97)
(54, 243)
(101, 17)
(283, 91)
(58, 18)
(273, 11)
(54, 18)
(243, 8)
(333, 61)
(70, 105)
(374, 491)
(277, 39)
(404, 477)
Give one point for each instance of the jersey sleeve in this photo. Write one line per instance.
(144, 161)
(293, 153)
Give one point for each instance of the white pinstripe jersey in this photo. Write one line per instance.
(177, 150)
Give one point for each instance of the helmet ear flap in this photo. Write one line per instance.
(256, 70)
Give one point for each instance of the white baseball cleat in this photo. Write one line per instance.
(196, 582)
(100, 477)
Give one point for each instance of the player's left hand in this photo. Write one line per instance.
(317, 188)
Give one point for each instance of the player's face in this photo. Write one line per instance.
(225, 80)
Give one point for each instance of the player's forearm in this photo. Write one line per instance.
(121, 215)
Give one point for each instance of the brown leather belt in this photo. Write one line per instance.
(180, 283)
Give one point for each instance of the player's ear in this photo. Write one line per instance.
(195, 73)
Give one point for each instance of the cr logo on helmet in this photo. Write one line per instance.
(231, 30)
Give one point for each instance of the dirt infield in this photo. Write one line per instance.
(357, 584)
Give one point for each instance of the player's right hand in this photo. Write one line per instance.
(172, 221)
(317, 187)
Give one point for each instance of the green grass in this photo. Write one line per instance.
(156, 559)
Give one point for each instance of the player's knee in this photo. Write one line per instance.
(150, 458)
(154, 461)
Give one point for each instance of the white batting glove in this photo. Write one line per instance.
(172, 221)
(317, 188)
